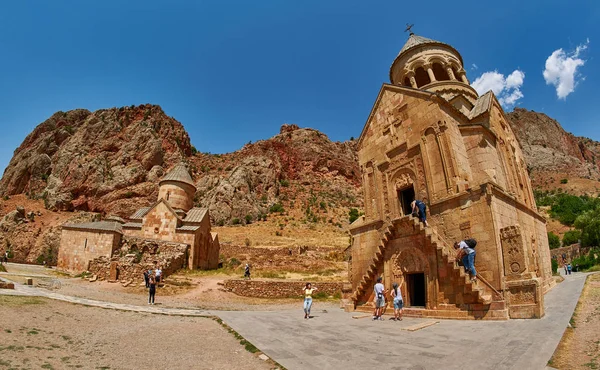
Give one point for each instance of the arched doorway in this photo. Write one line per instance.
(411, 269)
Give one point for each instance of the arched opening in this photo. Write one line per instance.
(407, 81)
(439, 72)
(422, 77)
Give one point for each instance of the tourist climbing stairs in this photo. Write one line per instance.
(479, 294)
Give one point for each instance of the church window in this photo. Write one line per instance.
(85, 244)
(422, 77)
(439, 72)
(407, 81)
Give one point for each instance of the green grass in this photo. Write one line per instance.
(15, 301)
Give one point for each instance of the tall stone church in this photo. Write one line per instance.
(430, 136)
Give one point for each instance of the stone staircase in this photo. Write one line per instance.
(480, 296)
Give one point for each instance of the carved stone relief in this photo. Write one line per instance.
(513, 250)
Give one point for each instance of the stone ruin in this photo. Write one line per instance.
(135, 255)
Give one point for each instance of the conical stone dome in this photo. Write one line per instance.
(177, 188)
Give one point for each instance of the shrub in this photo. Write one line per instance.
(285, 183)
(587, 261)
(323, 206)
(247, 242)
(554, 266)
(194, 150)
(277, 207)
(235, 221)
(248, 219)
(564, 181)
(553, 240)
(6, 197)
(353, 215)
(571, 237)
(221, 223)
(129, 194)
(234, 262)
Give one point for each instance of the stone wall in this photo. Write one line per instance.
(570, 252)
(179, 195)
(78, 247)
(136, 255)
(281, 289)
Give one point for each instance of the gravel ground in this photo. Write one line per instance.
(37, 332)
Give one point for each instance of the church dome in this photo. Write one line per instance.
(430, 65)
(177, 188)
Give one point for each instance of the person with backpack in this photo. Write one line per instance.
(419, 209)
(466, 254)
(379, 290)
(398, 303)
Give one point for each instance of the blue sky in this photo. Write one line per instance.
(234, 71)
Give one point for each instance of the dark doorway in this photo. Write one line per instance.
(415, 284)
(406, 196)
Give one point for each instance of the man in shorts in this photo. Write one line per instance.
(379, 290)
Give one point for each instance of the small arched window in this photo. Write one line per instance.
(422, 77)
(407, 81)
(440, 72)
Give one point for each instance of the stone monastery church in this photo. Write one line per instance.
(172, 218)
(430, 136)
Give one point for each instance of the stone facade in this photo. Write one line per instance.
(431, 137)
(79, 245)
(170, 219)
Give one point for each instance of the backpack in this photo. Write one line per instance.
(471, 243)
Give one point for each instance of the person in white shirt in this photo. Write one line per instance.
(379, 290)
(466, 255)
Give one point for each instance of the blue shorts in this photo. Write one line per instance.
(398, 304)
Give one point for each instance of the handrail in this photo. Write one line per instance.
(479, 277)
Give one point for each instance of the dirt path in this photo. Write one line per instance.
(580, 345)
(36, 332)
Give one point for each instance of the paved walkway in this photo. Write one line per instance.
(333, 340)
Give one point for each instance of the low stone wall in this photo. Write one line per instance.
(569, 252)
(136, 255)
(281, 289)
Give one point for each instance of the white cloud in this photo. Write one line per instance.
(507, 89)
(474, 66)
(561, 70)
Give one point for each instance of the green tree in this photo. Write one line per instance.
(248, 219)
(571, 237)
(589, 224)
(553, 240)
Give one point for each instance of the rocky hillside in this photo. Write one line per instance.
(103, 161)
(552, 153)
(300, 170)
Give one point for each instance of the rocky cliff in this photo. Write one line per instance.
(551, 152)
(103, 161)
(300, 169)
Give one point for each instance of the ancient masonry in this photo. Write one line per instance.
(170, 231)
(430, 136)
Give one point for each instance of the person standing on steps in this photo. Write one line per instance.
(466, 254)
(308, 291)
(398, 303)
(419, 209)
(152, 290)
(379, 291)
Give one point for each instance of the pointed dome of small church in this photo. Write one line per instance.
(179, 173)
(431, 65)
(416, 40)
